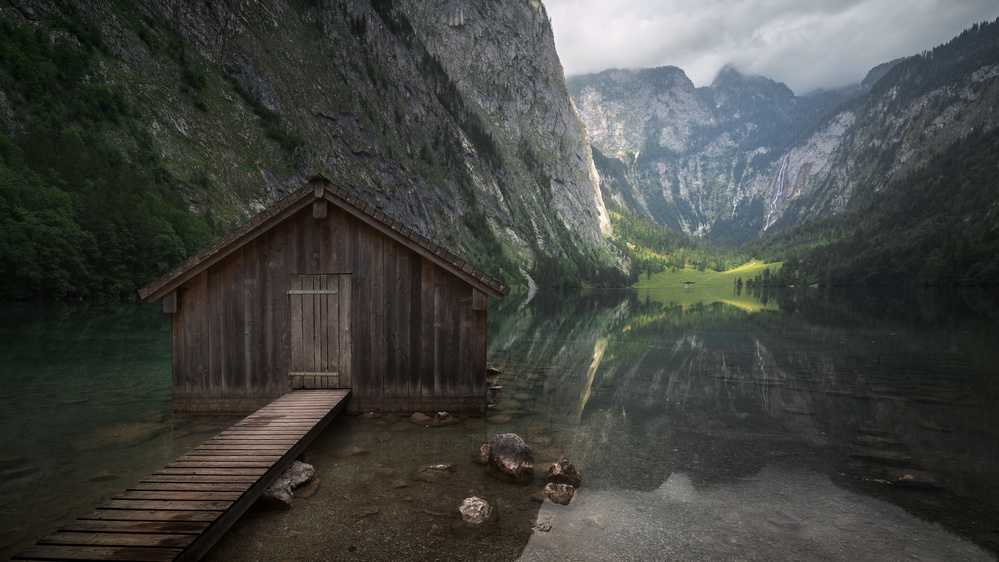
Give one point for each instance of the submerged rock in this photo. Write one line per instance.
(362, 511)
(783, 520)
(559, 493)
(419, 418)
(443, 418)
(934, 427)
(563, 472)
(308, 489)
(474, 510)
(435, 472)
(511, 458)
(543, 525)
(7, 462)
(279, 494)
(883, 457)
(124, 435)
(550, 455)
(352, 451)
(507, 404)
(102, 476)
(912, 478)
(874, 441)
(19, 472)
(481, 455)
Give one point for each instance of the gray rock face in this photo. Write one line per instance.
(520, 83)
(511, 458)
(618, 105)
(428, 110)
(694, 158)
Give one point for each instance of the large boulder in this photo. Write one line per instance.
(279, 494)
(563, 472)
(510, 458)
(559, 493)
(474, 510)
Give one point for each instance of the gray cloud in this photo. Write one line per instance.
(805, 44)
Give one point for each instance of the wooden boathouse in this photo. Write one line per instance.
(321, 290)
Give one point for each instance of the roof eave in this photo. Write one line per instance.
(292, 204)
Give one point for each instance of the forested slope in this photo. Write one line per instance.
(133, 133)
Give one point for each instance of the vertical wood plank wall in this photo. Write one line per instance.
(418, 344)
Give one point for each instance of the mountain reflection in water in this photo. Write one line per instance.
(707, 424)
(785, 428)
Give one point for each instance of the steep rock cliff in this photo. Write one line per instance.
(745, 155)
(451, 116)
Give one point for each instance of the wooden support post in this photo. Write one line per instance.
(171, 301)
(479, 300)
(319, 209)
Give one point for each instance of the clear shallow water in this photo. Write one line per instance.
(84, 410)
(706, 426)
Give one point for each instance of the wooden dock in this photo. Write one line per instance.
(178, 512)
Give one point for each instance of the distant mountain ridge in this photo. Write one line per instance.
(744, 156)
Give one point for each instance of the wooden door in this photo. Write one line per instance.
(320, 331)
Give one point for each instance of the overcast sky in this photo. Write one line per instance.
(806, 44)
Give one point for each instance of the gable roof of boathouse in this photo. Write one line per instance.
(316, 189)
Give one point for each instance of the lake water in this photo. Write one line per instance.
(707, 424)
(84, 410)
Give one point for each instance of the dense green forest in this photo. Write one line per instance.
(652, 248)
(78, 217)
(937, 227)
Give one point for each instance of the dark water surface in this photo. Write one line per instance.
(84, 410)
(814, 425)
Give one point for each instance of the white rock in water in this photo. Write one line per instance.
(475, 510)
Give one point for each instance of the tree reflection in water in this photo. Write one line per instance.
(706, 426)
(886, 395)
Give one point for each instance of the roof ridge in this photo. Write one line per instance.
(272, 215)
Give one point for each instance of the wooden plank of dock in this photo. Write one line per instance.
(179, 511)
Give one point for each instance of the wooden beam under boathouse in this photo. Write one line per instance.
(323, 290)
